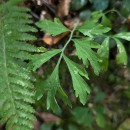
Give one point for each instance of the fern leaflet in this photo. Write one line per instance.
(16, 90)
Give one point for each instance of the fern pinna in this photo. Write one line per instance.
(16, 89)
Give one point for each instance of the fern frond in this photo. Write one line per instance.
(16, 90)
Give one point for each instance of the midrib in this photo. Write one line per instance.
(6, 74)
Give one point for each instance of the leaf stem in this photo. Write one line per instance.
(63, 49)
(115, 11)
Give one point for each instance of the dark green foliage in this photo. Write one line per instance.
(82, 116)
(40, 59)
(79, 85)
(16, 89)
(103, 51)
(87, 50)
(56, 27)
(84, 51)
(92, 27)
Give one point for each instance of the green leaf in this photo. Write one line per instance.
(53, 28)
(91, 27)
(96, 15)
(40, 89)
(82, 116)
(80, 86)
(84, 51)
(103, 52)
(52, 87)
(121, 57)
(123, 35)
(105, 21)
(63, 96)
(100, 120)
(16, 87)
(52, 84)
(40, 59)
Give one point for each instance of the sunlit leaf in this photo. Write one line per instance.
(103, 52)
(53, 28)
(85, 52)
(121, 57)
(123, 35)
(80, 86)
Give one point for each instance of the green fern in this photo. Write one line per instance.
(16, 89)
(88, 51)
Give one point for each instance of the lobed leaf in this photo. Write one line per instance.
(80, 86)
(17, 90)
(52, 87)
(40, 59)
(103, 52)
(123, 35)
(53, 28)
(121, 57)
(91, 27)
(85, 52)
(52, 83)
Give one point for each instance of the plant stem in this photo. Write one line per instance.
(114, 10)
(63, 49)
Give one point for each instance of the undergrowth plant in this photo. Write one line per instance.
(18, 59)
(88, 51)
